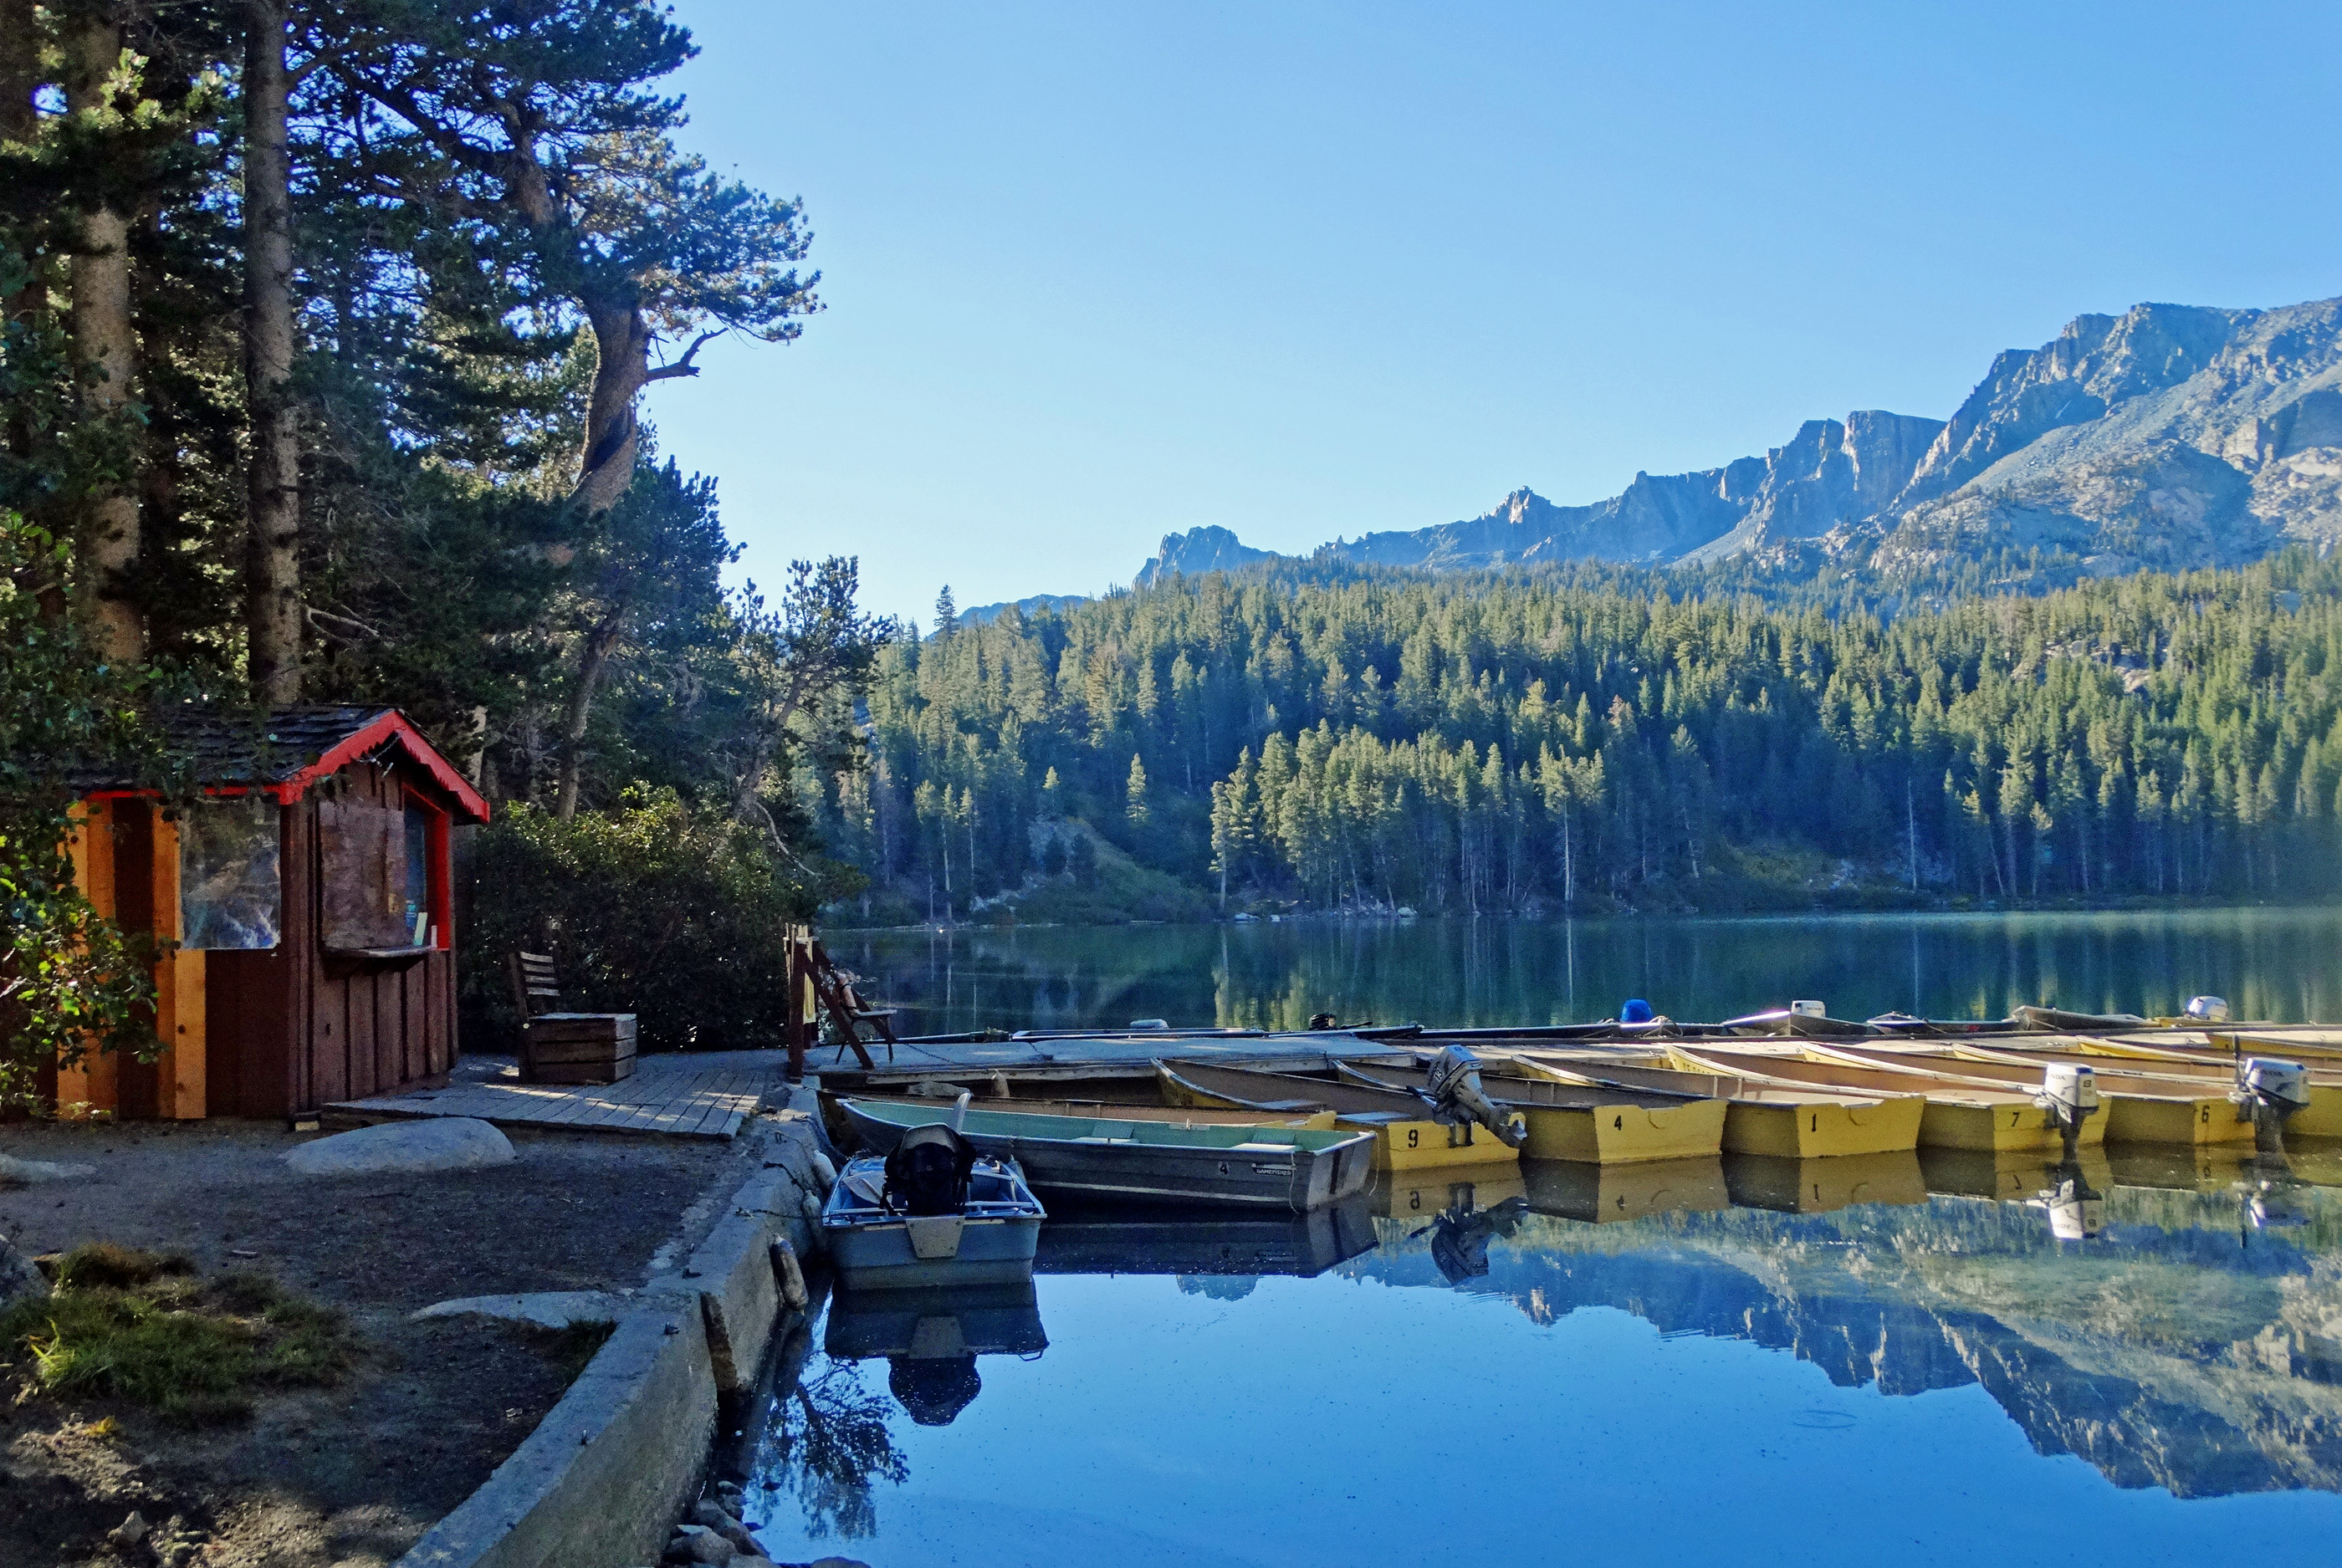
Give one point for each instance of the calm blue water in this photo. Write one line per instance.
(1880, 1362)
(1928, 1380)
(2274, 965)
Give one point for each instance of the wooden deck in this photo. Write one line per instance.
(674, 1096)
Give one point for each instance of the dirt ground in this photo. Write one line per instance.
(352, 1474)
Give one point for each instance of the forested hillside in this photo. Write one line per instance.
(1581, 738)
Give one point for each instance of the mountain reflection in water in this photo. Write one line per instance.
(2196, 1344)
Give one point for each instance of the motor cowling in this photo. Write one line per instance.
(2207, 1009)
(1457, 1097)
(927, 1172)
(2068, 1093)
(2282, 1085)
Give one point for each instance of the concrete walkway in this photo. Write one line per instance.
(697, 1094)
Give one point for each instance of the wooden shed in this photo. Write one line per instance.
(309, 890)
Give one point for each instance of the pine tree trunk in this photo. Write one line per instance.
(590, 661)
(271, 559)
(621, 369)
(20, 78)
(106, 352)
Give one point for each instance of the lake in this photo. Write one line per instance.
(2274, 965)
(1876, 1360)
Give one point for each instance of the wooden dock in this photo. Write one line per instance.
(690, 1095)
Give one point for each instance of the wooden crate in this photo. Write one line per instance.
(577, 1048)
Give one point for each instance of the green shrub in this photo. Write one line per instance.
(655, 909)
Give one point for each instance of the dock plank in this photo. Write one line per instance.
(665, 1098)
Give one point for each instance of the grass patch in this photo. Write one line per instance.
(571, 1346)
(145, 1328)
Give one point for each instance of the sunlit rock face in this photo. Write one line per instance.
(2170, 436)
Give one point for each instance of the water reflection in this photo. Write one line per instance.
(930, 1341)
(2192, 1344)
(2273, 965)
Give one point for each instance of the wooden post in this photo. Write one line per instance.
(179, 990)
(800, 985)
(91, 1084)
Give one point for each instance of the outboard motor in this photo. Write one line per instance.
(2272, 1091)
(2207, 1009)
(2069, 1093)
(1457, 1099)
(927, 1172)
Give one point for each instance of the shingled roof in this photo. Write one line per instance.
(223, 748)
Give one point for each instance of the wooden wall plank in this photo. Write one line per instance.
(136, 1082)
(91, 847)
(297, 947)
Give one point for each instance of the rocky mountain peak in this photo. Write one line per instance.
(2170, 435)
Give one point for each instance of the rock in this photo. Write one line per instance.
(698, 1543)
(711, 1514)
(130, 1531)
(19, 1276)
(445, 1144)
(31, 1173)
(547, 1309)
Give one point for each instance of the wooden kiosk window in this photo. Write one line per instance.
(384, 869)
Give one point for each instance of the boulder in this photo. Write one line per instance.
(18, 1275)
(31, 1173)
(442, 1144)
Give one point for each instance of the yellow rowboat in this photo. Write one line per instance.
(1608, 1194)
(2135, 1111)
(2118, 1063)
(1593, 1127)
(1961, 1114)
(1418, 1195)
(1791, 1123)
(1407, 1138)
(1819, 1186)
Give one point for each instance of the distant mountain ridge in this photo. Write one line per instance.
(2168, 437)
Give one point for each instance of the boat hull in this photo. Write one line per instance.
(1131, 1161)
(1621, 1135)
(1822, 1129)
(1424, 1144)
(885, 1258)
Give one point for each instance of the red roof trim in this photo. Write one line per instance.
(390, 726)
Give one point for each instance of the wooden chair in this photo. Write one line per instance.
(848, 1011)
(563, 1048)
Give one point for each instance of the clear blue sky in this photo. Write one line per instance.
(1095, 273)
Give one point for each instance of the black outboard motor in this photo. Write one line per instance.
(1457, 1098)
(927, 1172)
